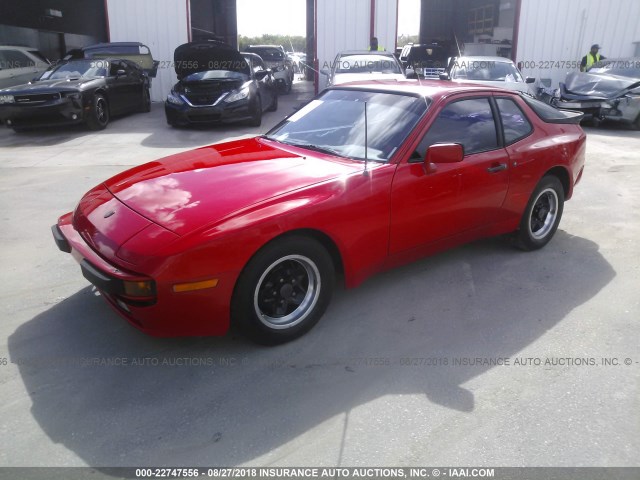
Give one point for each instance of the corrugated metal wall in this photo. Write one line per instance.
(553, 31)
(346, 25)
(162, 25)
(386, 23)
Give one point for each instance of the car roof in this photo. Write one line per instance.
(483, 59)
(366, 52)
(265, 46)
(113, 44)
(423, 88)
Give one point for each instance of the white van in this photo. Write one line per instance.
(19, 65)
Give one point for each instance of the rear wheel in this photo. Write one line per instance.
(542, 216)
(283, 290)
(99, 113)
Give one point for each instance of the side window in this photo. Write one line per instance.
(115, 66)
(514, 122)
(17, 59)
(468, 122)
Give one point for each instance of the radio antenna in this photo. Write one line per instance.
(366, 139)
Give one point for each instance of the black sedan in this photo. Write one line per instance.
(218, 84)
(79, 91)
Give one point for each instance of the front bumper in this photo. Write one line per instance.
(62, 111)
(166, 313)
(188, 115)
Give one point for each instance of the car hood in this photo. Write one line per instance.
(190, 190)
(47, 86)
(196, 57)
(599, 85)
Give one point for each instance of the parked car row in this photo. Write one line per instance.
(429, 62)
(216, 84)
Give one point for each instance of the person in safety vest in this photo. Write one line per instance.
(373, 46)
(590, 58)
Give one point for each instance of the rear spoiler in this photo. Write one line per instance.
(570, 117)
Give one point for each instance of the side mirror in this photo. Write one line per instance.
(324, 71)
(529, 80)
(411, 74)
(120, 73)
(260, 75)
(443, 153)
(444, 76)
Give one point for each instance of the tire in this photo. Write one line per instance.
(256, 118)
(264, 305)
(542, 215)
(145, 106)
(274, 104)
(99, 113)
(636, 124)
(287, 87)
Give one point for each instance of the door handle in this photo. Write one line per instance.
(497, 168)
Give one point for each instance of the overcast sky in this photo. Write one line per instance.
(287, 17)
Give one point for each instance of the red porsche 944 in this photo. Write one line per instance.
(365, 177)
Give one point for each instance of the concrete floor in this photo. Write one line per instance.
(343, 394)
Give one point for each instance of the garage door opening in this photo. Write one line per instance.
(278, 22)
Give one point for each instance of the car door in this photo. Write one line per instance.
(125, 94)
(428, 205)
(116, 87)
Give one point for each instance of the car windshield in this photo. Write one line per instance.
(215, 75)
(268, 54)
(77, 69)
(335, 123)
(487, 70)
(367, 64)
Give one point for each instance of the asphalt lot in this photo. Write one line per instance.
(344, 394)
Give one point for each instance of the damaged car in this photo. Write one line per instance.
(75, 92)
(218, 84)
(609, 91)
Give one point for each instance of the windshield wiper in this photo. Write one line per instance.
(316, 148)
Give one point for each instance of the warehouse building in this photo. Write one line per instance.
(546, 37)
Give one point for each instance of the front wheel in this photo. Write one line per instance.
(542, 216)
(98, 114)
(256, 117)
(283, 291)
(274, 103)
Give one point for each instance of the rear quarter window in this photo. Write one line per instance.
(514, 122)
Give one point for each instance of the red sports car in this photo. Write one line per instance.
(363, 178)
